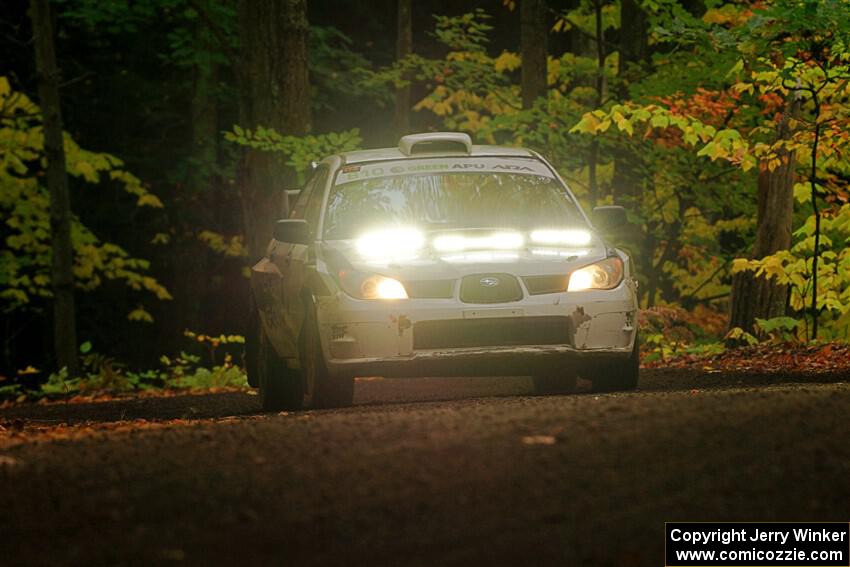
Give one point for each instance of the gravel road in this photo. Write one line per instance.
(422, 472)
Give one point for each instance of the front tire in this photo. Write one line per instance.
(252, 347)
(281, 387)
(617, 375)
(327, 390)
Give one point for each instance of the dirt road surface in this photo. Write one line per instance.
(421, 472)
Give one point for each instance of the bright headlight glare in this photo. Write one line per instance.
(391, 244)
(606, 274)
(376, 287)
(507, 240)
(495, 241)
(474, 257)
(449, 243)
(363, 286)
(384, 288)
(568, 237)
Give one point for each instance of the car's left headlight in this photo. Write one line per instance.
(606, 274)
(364, 286)
(380, 287)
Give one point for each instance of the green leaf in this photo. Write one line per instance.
(802, 192)
(659, 121)
(777, 323)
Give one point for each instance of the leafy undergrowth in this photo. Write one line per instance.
(103, 378)
(669, 333)
(673, 337)
(765, 358)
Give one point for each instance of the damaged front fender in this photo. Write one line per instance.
(278, 296)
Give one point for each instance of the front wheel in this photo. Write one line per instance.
(281, 387)
(252, 347)
(327, 390)
(617, 375)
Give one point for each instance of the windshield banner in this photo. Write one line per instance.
(512, 165)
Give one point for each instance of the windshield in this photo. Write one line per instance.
(446, 201)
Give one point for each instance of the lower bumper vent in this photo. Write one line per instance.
(492, 332)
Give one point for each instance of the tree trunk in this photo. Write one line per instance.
(62, 251)
(534, 31)
(204, 116)
(601, 86)
(404, 47)
(758, 297)
(633, 52)
(275, 93)
(633, 38)
(813, 183)
(191, 260)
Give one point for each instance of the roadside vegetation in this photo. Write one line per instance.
(722, 127)
(215, 367)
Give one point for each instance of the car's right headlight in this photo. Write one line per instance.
(365, 286)
(606, 274)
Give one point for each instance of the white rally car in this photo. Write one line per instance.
(439, 258)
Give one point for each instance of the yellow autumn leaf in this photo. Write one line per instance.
(740, 265)
(772, 266)
(86, 170)
(139, 314)
(149, 200)
(507, 61)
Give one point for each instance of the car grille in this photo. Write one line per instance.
(491, 332)
(490, 288)
(538, 285)
(430, 289)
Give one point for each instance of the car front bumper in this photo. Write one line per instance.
(445, 337)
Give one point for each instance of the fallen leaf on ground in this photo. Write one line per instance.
(109, 396)
(39, 431)
(7, 461)
(765, 358)
(538, 440)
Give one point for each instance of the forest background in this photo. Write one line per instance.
(722, 127)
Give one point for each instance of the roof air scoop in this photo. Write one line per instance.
(435, 142)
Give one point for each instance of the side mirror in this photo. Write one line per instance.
(292, 231)
(610, 218)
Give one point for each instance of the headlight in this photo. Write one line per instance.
(606, 274)
(371, 287)
(379, 287)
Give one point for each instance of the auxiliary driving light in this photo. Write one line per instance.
(401, 243)
(495, 241)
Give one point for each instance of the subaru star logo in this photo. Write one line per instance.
(489, 282)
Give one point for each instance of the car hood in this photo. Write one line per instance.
(432, 265)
